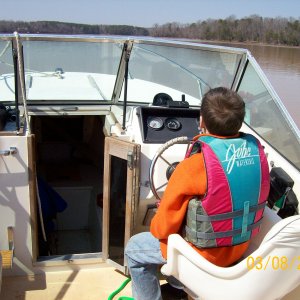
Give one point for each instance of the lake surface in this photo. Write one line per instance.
(282, 67)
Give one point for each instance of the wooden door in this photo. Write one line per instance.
(120, 197)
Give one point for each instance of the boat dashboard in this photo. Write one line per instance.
(160, 124)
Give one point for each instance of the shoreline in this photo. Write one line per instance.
(252, 43)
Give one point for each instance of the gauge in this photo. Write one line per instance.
(172, 124)
(155, 123)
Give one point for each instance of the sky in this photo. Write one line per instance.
(144, 13)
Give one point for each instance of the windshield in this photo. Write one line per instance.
(265, 114)
(77, 69)
(70, 70)
(178, 71)
(7, 80)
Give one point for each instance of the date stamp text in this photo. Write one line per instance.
(273, 262)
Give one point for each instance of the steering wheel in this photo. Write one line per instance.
(170, 166)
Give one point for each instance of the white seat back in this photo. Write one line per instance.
(268, 273)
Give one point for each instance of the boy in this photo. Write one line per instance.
(228, 175)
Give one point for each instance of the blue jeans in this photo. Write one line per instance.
(144, 259)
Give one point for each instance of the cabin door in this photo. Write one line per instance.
(120, 197)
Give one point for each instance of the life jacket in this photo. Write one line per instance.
(237, 189)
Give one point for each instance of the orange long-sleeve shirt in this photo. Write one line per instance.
(188, 179)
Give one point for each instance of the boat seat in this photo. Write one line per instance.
(270, 272)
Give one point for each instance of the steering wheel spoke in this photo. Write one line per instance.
(161, 154)
(166, 161)
(161, 186)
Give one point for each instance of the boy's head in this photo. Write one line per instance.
(222, 111)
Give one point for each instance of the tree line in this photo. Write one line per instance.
(278, 31)
(53, 27)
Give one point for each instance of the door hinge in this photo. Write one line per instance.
(130, 160)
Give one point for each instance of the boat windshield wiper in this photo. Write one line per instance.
(2, 53)
(199, 79)
(4, 49)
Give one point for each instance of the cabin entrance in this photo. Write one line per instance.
(69, 166)
(88, 188)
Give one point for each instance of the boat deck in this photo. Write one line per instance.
(89, 284)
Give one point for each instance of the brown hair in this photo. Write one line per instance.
(223, 111)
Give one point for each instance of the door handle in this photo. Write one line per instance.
(11, 151)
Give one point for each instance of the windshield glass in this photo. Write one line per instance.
(7, 80)
(177, 71)
(70, 70)
(265, 115)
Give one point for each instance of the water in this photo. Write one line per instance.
(282, 67)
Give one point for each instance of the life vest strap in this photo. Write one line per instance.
(229, 215)
(221, 234)
(245, 219)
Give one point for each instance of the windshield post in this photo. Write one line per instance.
(125, 85)
(15, 60)
(21, 75)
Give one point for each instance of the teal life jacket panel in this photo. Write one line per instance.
(237, 189)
